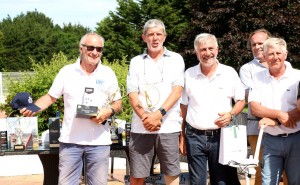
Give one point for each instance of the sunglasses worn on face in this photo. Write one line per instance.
(91, 48)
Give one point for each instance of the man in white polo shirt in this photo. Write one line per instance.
(209, 89)
(273, 97)
(154, 85)
(85, 82)
(247, 72)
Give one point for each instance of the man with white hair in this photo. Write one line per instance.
(273, 97)
(209, 89)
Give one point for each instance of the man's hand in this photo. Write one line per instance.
(27, 113)
(267, 122)
(223, 120)
(152, 121)
(287, 120)
(182, 146)
(103, 114)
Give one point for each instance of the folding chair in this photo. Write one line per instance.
(247, 166)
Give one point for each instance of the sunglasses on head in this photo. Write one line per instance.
(91, 48)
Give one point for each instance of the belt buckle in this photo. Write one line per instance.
(209, 132)
(285, 135)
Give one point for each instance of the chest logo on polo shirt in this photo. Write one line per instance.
(99, 82)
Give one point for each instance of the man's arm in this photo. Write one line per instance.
(226, 117)
(294, 115)
(246, 79)
(136, 104)
(238, 107)
(43, 102)
(105, 113)
(172, 98)
(288, 119)
(261, 111)
(116, 106)
(169, 103)
(182, 147)
(143, 115)
(153, 119)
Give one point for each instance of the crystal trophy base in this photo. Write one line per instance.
(114, 137)
(21, 144)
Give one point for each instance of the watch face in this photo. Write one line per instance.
(162, 111)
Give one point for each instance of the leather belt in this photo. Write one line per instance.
(253, 119)
(287, 134)
(204, 132)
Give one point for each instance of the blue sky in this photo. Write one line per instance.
(84, 12)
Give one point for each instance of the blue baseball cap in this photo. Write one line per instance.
(23, 99)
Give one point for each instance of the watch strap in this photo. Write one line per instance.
(112, 112)
(232, 116)
(162, 111)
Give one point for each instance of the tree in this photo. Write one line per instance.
(123, 29)
(232, 21)
(33, 36)
(174, 14)
(67, 40)
(2, 48)
(24, 37)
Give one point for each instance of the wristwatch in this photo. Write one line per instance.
(162, 111)
(112, 112)
(232, 116)
(277, 121)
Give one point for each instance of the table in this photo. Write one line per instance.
(49, 158)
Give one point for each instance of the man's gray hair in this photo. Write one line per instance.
(202, 38)
(274, 42)
(154, 23)
(82, 40)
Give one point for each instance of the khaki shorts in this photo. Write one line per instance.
(142, 148)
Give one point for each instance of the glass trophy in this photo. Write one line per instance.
(19, 141)
(124, 138)
(19, 131)
(111, 93)
(152, 97)
(35, 140)
(114, 130)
